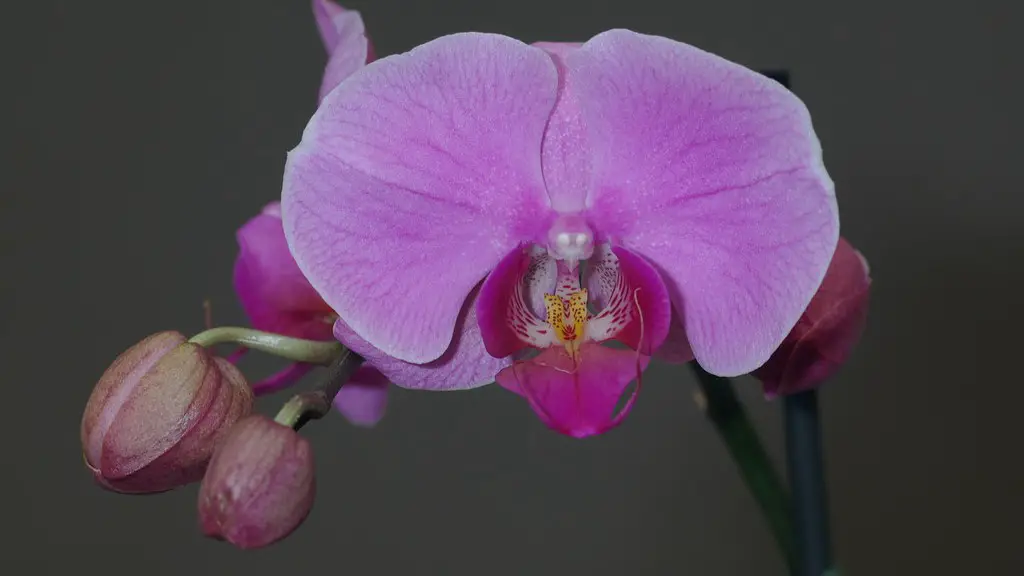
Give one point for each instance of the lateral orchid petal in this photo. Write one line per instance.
(714, 173)
(424, 158)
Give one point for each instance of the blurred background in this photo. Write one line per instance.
(138, 136)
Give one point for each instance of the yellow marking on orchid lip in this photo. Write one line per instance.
(568, 325)
(578, 311)
(556, 313)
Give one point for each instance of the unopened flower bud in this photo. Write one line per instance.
(157, 413)
(260, 484)
(827, 332)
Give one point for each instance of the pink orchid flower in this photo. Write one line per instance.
(273, 292)
(477, 200)
(827, 332)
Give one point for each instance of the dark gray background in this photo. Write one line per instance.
(139, 135)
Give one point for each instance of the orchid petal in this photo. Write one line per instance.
(508, 323)
(712, 172)
(345, 38)
(676, 347)
(281, 379)
(423, 160)
(326, 12)
(272, 290)
(827, 332)
(363, 399)
(577, 399)
(466, 363)
(636, 309)
(539, 280)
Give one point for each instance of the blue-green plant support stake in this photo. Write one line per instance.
(805, 466)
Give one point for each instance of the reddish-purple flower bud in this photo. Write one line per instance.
(157, 413)
(828, 330)
(260, 485)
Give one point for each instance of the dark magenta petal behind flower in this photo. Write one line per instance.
(278, 298)
(260, 484)
(828, 331)
(363, 399)
(578, 399)
(274, 294)
(157, 413)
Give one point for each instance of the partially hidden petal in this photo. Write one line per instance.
(466, 363)
(363, 400)
(272, 290)
(325, 12)
(714, 173)
(636, 309)
(347, 44)
(827, 332)
(676, 347)
(413, 179)
(578, 399)
(281, 379)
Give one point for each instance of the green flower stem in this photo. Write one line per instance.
(316, 403)
(294, 349)
(724, 409)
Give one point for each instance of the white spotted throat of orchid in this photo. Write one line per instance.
(556, 309)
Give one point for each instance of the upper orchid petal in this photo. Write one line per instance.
(345, 39)
(466, 363)
(577, 398)
(714, 173)
(272, 290)
(565, 152)
(414, 177)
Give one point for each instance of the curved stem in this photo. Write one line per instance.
(724, 409)
(294, 349)
(316, 403)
